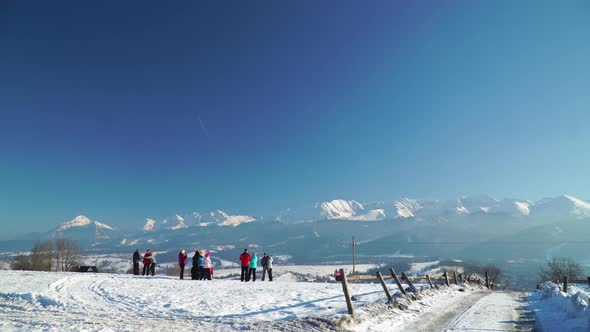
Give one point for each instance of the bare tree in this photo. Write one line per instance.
(559, 267)
(494, 273)
(67, 254)
(21, 262)
(41, 256)
(472, 270)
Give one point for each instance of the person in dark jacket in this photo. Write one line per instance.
(147, 260)
(182, 256)
(200, 269)
(245, 259)
(195, 268)
(264, 263)
(136, 259)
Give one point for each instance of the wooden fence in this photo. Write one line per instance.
(566, 282)
(433, 282)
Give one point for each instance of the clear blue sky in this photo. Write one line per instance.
(121, 110)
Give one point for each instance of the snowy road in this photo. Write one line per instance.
(481, 311)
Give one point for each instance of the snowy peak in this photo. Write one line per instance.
(179, 223)
(222, 218)
(339, 209)
(149, 226)
(406, 208)
(84, 224)
(79, 221)
(561, 206)
(349, 210)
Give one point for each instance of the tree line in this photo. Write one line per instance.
(54, 255)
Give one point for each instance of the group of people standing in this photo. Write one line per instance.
(202, 268)
(149, 263)
(249, 264)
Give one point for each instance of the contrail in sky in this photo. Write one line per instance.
(203, 127)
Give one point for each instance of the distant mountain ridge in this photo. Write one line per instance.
(340, 209)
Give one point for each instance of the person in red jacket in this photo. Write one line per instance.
(245, 259)
(147, 260)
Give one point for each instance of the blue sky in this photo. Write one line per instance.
(126, 110)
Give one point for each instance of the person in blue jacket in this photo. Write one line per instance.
(252, 268)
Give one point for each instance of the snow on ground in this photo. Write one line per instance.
(558, 311)
(106, 302)
(416, 268)
(307, 270)
(75, 301)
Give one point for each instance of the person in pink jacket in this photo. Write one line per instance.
(182, 257)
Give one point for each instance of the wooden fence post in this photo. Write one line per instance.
(446, 278)
(399, 284)
(487, 281)
(455, 277)
(405, 276)
(346, 292)
(460, 278)
(384, 285)
(588, 281)
(565, 284)
(429, 281)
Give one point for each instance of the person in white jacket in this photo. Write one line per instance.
(269, 267)
(207, 266)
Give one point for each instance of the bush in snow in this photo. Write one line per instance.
(559, 267)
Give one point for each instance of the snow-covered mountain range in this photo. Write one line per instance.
(406, 209)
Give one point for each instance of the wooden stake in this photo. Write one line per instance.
(399, 284)
(405, 276)
(565, 284)
(487, 281)
(455, 277)
(446, 278)
(384, 285)
(346, 292)
(429, 281)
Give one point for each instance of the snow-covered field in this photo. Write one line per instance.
(106, 302)
(557, 311)
(73, 301)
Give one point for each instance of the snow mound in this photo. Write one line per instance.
(558, 311)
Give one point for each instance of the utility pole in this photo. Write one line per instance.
(353, 245)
